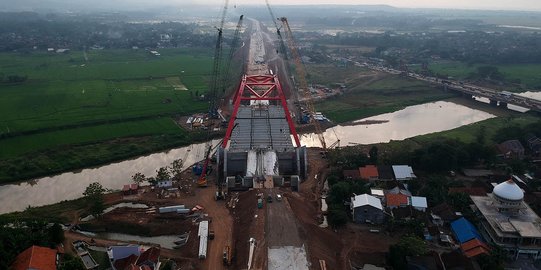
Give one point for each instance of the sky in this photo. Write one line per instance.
(527, 5)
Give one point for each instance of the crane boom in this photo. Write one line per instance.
(273, 18)
(234, 45)
(301, 76)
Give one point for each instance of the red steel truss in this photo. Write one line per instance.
(260, 87)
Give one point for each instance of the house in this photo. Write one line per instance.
(418, 203)
(442, 214)
(351, 174)
(464, 230)
(164, 184)
(369, 172)
(474, 247)
(367, 208)
(378, 193)
(511, 149)
(385, 173)
(396, 200)
(130, 189)
(131, 257)
(36, 257)
(534, 143)
(403, 172)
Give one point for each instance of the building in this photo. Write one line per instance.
(511, 149)
(130, 189)
(369, 172)
(534, 143)
(367, 209)
(396, 200)
(507, 221)
(385, 173)
(474, 248)
(132, 257)
(165, 184)
(418, 203)
(442, 214)
(403, 172)
(36, 257)
(464, 230)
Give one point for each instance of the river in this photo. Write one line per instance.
(402, 124)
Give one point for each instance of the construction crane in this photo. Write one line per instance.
(233, 49)
(301, 78)
(216, 68)
(212, 95)
(273, 18)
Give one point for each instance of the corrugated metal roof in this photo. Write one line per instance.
(418, 202)
(365, 199)
(464, 230)
(403, 172)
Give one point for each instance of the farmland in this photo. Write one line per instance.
(527, 74)
(95, 101)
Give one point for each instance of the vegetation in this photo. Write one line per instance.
(94, 195)
(408, 245)
(70, 262)
(18, 235)
(372, 96)
(94, 105)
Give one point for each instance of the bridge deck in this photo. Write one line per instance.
(262, 127)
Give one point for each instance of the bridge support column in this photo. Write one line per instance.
(502, 104)
(493, 102)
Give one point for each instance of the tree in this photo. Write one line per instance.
(409, 245)
(176, 166)
(94, 194)
(337, 216)
(56, 233)
(71, 263)
(163, 174)
(373, 154)
(94, 189)
(138, 178)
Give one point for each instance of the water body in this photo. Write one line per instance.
(409, 122)
(71, 185)
(166, 241)
(406, 123)
(520, 27)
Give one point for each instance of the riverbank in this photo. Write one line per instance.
(79, 156)
(120, 175)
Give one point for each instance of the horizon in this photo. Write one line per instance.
(140, 5)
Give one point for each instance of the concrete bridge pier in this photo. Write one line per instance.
(493, 102)
(502, 104)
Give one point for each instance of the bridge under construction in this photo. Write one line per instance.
(258, 150)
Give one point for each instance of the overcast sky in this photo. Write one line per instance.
(529, 5)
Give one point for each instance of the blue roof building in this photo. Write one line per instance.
(464, 230)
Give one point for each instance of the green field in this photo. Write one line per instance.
(368, 96)
(528, 74)
(64, 89)
(18, 145)
(97, 106)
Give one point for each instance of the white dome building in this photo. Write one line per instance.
(508, 197)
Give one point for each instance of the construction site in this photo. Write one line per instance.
(255, 200)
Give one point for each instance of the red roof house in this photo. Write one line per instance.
(396, 200)
(369, 172)
(474, 247)
(35, 257)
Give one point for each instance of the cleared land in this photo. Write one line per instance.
(371, 93)
(74, 112)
